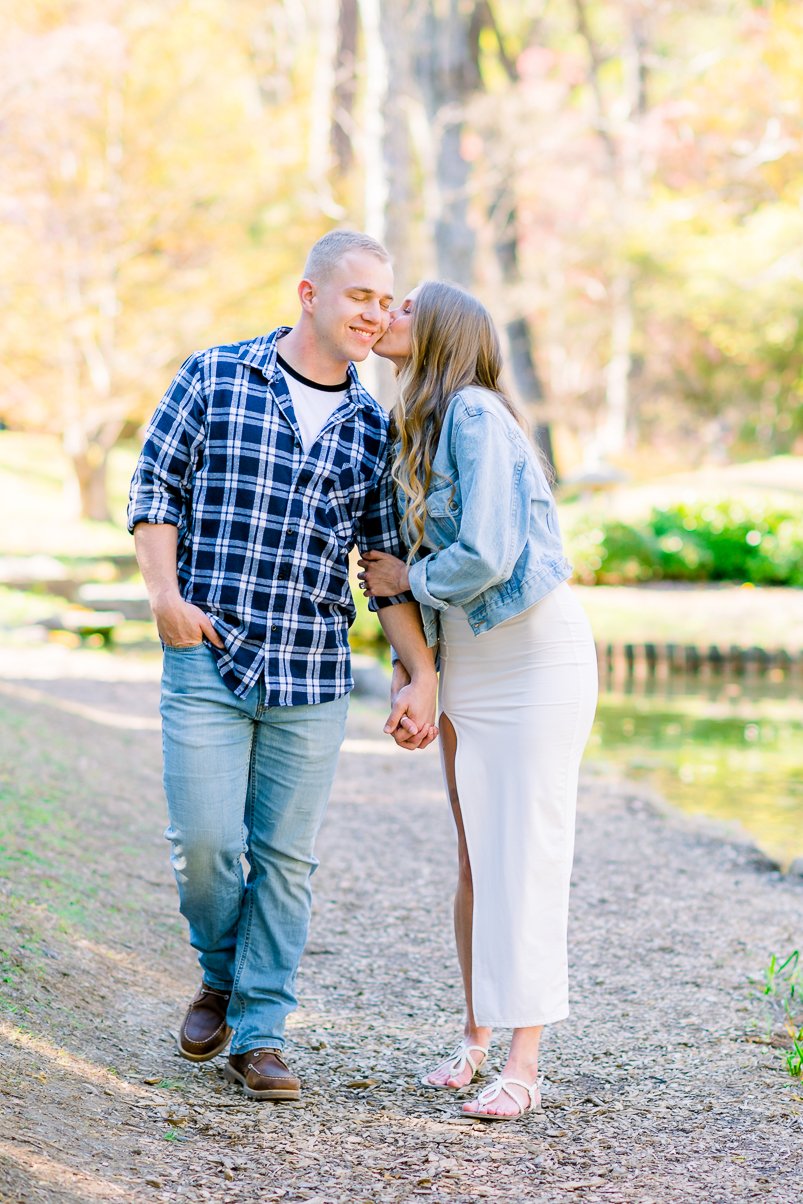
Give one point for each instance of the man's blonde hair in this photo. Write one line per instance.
(327, 252)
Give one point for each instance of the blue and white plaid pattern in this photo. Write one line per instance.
(264, 530)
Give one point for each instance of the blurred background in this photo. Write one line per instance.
(619, 180)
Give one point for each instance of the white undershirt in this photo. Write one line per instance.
(313, 404)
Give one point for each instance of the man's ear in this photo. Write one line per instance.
(307, 295)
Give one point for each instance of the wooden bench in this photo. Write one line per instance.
(131, 601)
(86, 623)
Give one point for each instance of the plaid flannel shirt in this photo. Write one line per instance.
(265, 529)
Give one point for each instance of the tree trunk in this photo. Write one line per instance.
(345, 87)
(626, 182)
(528, 389)
(447, 70)
(521, 359)
(376, 84)
(89, 464)
(617, 372)
(400, 202)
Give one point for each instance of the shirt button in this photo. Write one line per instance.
(291, 531)
(274, 627)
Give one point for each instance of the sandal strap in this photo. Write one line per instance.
(500, 1084)
(460, 1058)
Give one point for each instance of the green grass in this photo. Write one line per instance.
(782, 991)
(770, 617)
(45, 833)
(35, 486)
(776, 481)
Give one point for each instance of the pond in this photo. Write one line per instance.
(732, 750)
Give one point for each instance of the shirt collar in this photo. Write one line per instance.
(261, 353)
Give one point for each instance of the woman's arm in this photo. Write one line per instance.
(494, 520)
(415, 684)
(494, 523)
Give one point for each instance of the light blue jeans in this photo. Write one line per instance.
(242, 778)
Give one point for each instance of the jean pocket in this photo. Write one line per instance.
(182, 648)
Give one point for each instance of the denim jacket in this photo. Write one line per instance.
(491, 520)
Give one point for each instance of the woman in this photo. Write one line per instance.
(518, 675)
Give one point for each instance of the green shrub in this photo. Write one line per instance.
(701, 541)
(610, 550)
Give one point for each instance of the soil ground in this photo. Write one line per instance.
(665, 1084)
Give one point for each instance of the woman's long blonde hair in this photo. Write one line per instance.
(453, 344)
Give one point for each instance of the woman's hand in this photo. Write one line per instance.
(382, 576)
(411, 721)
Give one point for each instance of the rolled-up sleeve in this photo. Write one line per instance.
(378, 531)
(165, 464)
(494, 520)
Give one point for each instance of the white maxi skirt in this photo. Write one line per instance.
(521, 698)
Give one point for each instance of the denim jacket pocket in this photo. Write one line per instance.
(443, 513)
(443, 502)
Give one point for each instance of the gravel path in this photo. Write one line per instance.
(659, 1087)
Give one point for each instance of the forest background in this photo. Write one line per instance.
(619, 180)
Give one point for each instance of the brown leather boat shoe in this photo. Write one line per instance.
(263, 1075)
(204, 1032)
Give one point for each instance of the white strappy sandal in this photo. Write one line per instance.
(456, 1063)
(495, 1089)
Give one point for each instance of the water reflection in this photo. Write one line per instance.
(732, 749)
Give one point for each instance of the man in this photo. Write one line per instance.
(264, 464)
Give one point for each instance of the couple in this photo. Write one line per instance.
(264, 465)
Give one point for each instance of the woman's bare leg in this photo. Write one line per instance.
(463, 909)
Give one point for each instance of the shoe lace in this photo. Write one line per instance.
(255, 1053)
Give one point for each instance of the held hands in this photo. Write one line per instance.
(182, 625)
(383, 575)
(411, 720)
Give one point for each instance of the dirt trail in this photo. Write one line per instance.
(656, 1088)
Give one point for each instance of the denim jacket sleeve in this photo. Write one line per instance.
(494, 519)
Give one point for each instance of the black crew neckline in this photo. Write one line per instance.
(305, 380)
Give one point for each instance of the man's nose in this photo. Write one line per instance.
(373, 311)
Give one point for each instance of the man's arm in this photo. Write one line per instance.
(415, 683)
(413, 693)
(173, 439)
(180, 624)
